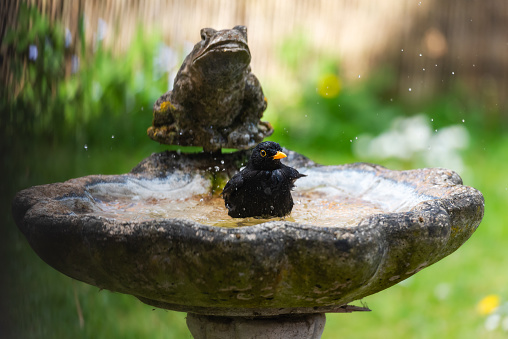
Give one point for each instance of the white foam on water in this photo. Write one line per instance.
(389, 195)
(173, 188)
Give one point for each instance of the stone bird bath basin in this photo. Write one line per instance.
(159, 234)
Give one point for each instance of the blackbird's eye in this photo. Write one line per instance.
(263, 153)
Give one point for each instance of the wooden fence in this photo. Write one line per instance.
(431, 44)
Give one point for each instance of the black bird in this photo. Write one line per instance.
(263, 188)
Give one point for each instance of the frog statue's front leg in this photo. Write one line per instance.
(166, 112)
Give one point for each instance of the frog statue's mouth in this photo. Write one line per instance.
(224, 58)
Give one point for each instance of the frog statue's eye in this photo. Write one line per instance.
(263, 153)
(207, 33)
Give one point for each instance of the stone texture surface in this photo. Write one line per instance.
(309, 326)
(278, 267)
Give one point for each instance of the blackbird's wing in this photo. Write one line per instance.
(283, 178)
(274, 178)
(291, 174)
(240, 178)
(234, 183)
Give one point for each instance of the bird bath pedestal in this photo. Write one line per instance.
(160, 234)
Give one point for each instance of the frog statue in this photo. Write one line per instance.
(216, 101)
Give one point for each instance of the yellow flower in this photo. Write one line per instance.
(329, 86)
(488, 304)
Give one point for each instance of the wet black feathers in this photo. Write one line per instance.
(263, 187)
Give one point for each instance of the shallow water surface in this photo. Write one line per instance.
(310, 208)
(323, 198)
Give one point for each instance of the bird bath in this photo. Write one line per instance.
(162, 234)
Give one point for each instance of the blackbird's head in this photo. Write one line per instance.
(266, 156)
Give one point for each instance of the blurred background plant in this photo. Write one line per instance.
(61, 90)
(78, 82)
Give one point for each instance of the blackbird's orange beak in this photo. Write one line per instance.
(279, 155)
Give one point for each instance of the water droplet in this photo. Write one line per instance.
(86, 147)
(112, 137)
(305, 115)
(409, 89)
(359, 76)
(356, 138)
(201, 199)
(350, 140)
(421, 54)
(423, 69)
(463, 120)
(453, 73)
(142, 108)
(222, 162)
(435, 130)
(217, 169)
(432, 119)
(402, 50)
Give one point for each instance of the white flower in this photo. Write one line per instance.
(492, 322)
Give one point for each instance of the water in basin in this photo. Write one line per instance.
(323, 198)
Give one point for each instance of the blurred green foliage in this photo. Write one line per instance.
(50, 114)
(322, 112)
(34, 89)
(104, 95)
